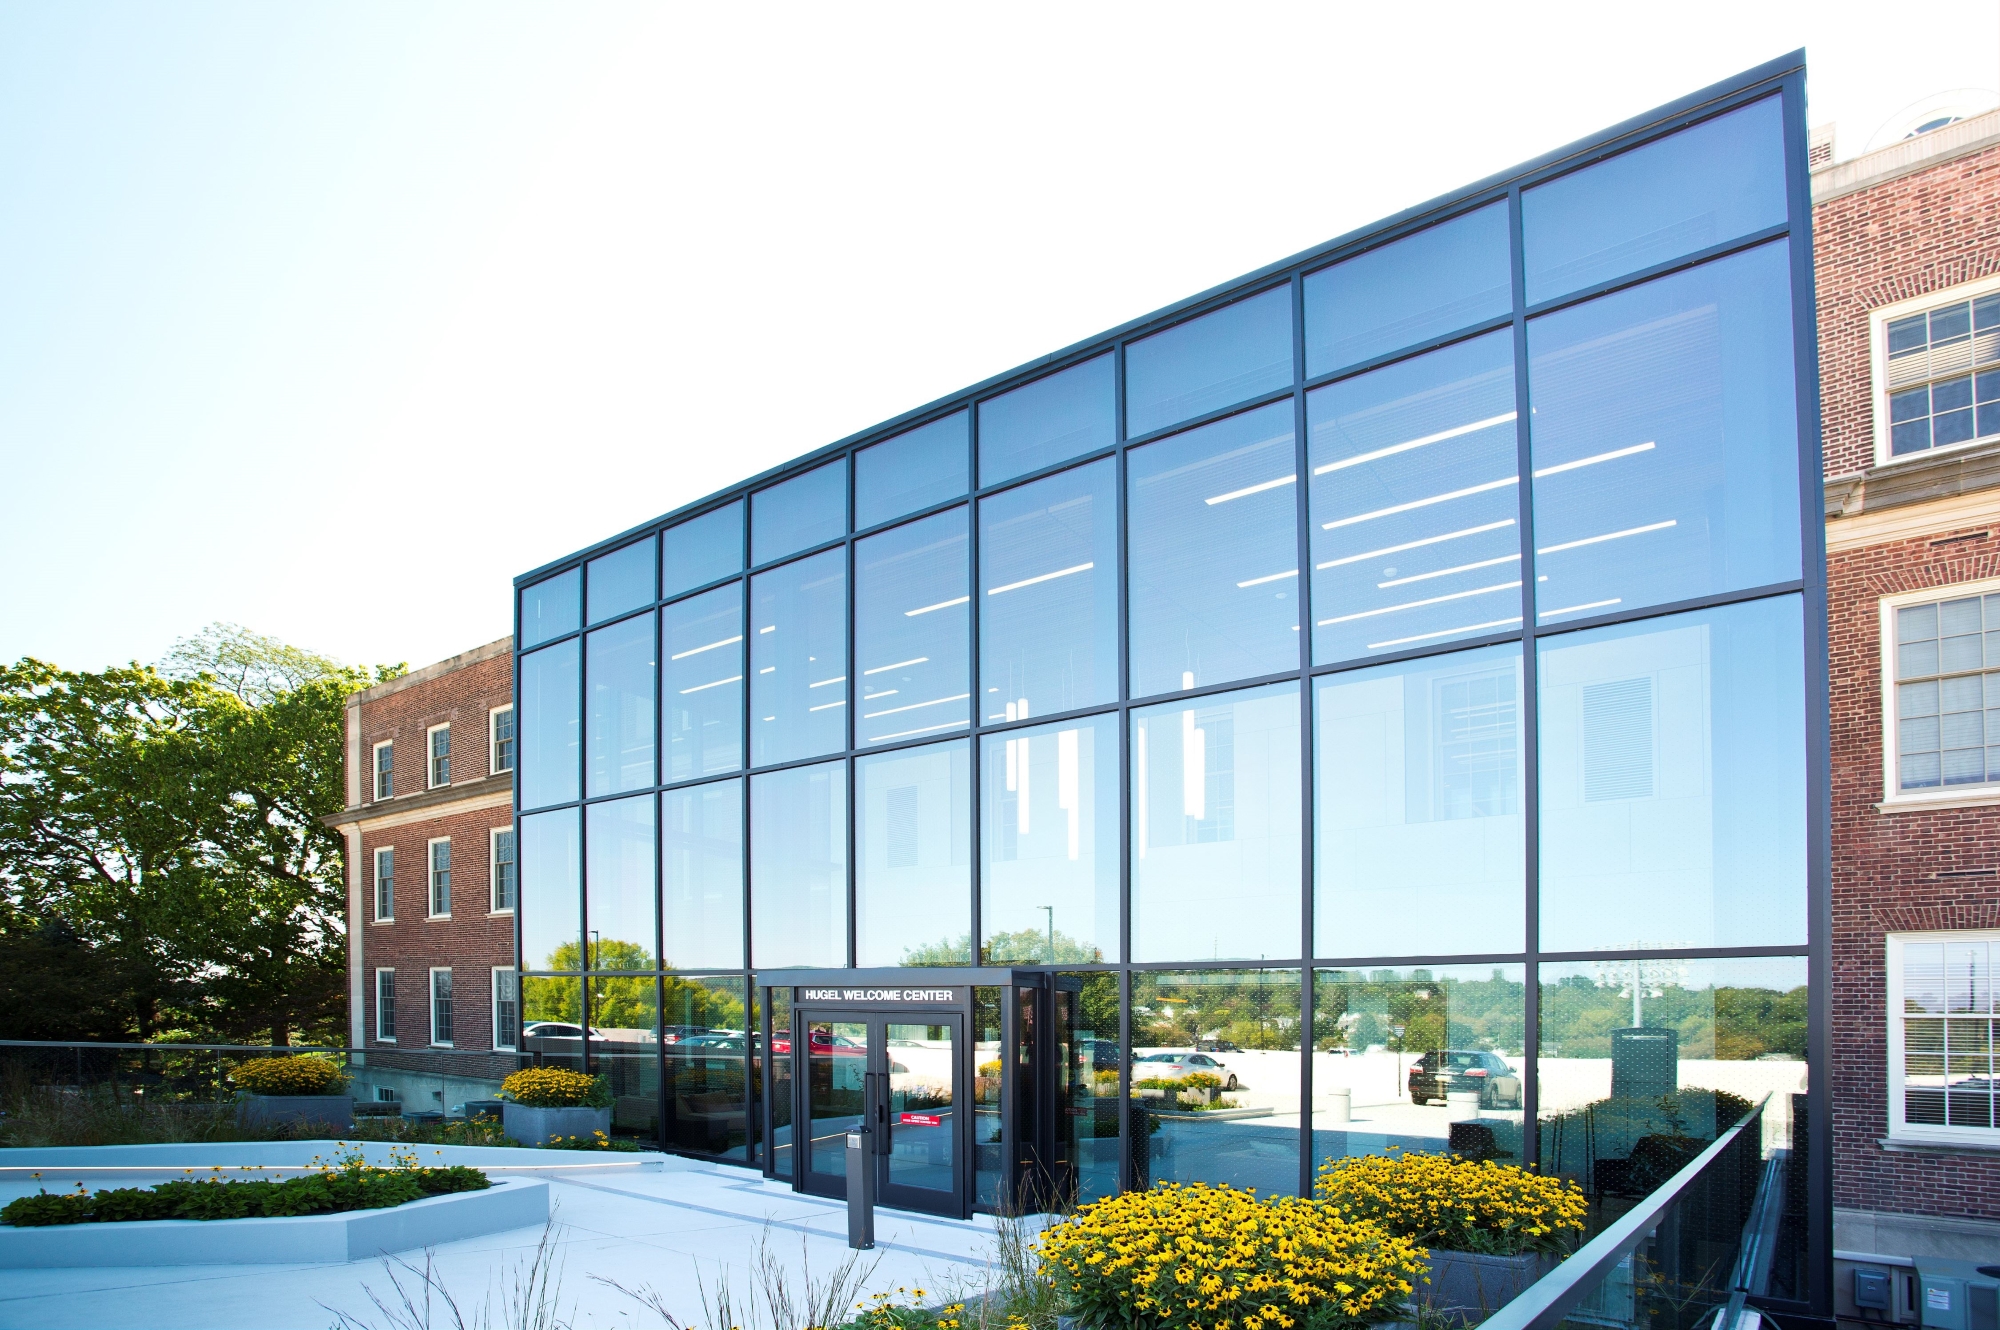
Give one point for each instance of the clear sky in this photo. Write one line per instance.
(328, 319)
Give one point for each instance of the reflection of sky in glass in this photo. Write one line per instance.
(701, 550)
(618, 884)
(618, 711)
(1048, 602)
(551, 899)
(799, 513)
(1673, 781)
(1425, 285)
(701, 683)
(1418, 804)
(1063, 415)
(913, 857)
(1214, 572)
(549, 724)
(1049, 856)
(1215, 827)
(911, 471)
(701, 872)
(798, 659)
(798, 866)
(549, 608)
(1240, 351)
(1416, 502)
(622, 580)
(1666, 440)
(911, 625)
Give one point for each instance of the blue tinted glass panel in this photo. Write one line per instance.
(1425, 285)
(1718, 180)
(618, 714)
(1673, 781)
(1665, 440)
(701, 876)
(551, 910)
(701, 685)
(1214, 550)
(1049, 843)
(798, 659)
(798, 866)
(618, 896)
(802, 512)
(1062, 416)
(1238, 352)
(623, 579)
(913, 857)
(550, 711)
(1418, 806)
(701, 550)
(1215, 800)
(911, 630)
(911, 471)
(549, 608)
(1415, 502)
(1048, 594)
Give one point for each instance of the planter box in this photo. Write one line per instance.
(1469, 1287)
(539, 1126)
(269, 1110)
(357, 1235)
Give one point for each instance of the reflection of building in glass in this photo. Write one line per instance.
(1234, 740)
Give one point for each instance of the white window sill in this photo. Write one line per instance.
(1986, 1144)
(505, 1048)
(433, 918)
(380, 1040)
(1984, 796)
(496, 914)
(389, 920)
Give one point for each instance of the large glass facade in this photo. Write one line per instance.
(1391, 679)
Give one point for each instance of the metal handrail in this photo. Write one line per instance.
(1544, 1303)
(413, 1051)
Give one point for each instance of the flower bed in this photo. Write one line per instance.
(556, 1087)
(349, 1183)
(303, 1074)
(1192, 1257)
(1456, 1204)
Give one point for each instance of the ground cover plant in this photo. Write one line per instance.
(1195, 1257)
(349, 1182)
(1455, 1204)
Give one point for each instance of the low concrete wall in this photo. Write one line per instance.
(357, 1235)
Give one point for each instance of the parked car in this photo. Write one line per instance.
(1463, 1071)
(1174, 1066)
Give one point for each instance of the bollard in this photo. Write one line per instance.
(860, 1191)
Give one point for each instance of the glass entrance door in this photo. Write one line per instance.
(899, 1074)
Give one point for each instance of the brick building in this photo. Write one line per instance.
(432, 880)
(1907, 258)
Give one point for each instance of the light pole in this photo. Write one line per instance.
(1050, 910)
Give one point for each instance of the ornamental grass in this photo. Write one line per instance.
(1455, 1204)
(556, 1087)
(1197, 1257)
(301, 1074)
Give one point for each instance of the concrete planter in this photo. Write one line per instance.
(316, 1110)
(1470, 1287)
(539, 1126)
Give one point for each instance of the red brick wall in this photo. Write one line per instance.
(1923, 232)
(1885, 879)
(461, 699)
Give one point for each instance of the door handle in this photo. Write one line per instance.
(878, 1100)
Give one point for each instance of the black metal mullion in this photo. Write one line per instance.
(975, 683)
(1308, 839)
(1529, 710)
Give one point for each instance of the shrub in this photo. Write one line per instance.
(1201, 1080)
(556, 1087)
(349, 1183)
(305, 1074)
(1455, 1204)
(1194, 1257)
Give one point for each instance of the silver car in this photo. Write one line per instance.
(1175, 1066)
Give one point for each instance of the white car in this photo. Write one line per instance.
(1175, 1066)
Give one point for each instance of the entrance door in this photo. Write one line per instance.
(899, 1074)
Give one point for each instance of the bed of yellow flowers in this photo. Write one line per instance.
(289, 1075)
(1455, 1204)
(556, 1087)
(1197, 1257)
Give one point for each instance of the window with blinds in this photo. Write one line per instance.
(1941, 1003)
(1947, 676)
(1943, 375)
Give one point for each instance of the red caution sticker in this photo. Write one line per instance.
(920, 1120)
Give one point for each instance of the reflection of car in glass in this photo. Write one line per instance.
(556, 1030)
(1102, 1053)
(1218, 1046)
(1174, 1066)
(711, 1043)
(1463, 1071)
(674, 1034)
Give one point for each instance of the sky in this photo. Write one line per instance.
(330, 319)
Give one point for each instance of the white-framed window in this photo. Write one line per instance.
(440, 860)
(1937, 370)
(441, 1007)
(385, 1006)
(506, 1006)
(386, 1094)
(1941, 695)
(500, 734)
(1942, 1024)
(385, 885)
(439, 740)
(506, 870)
(385, 770)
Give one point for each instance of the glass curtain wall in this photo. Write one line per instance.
(1395, 674)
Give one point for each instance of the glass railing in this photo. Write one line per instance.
(1692, 1253)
